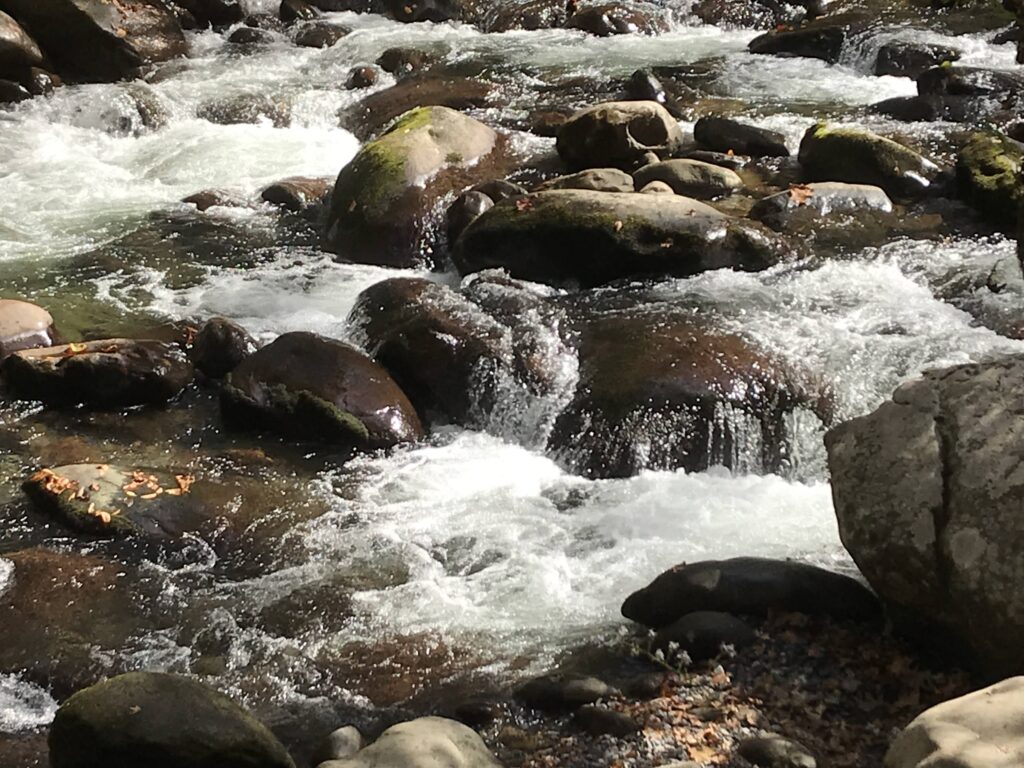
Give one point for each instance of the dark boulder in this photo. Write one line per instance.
(424, 10)
(861, 157)
(659, 391)
(530, 15)
(405, 61)
(13, 93)
(308, 387)
(219, 347)
(212, 13)
(18, 51)
(24, 326)
(162, 721)
(296, 10)
(556, 691)
(750, 586)
(361, 77)
(246, 108)
(384, 201)
(702, 634)
(96, 40)
(113, 373)
(905, 59)
(298, 193)
(819, 39)
(320, 34)
(591, 238)
(618, 134)
(615, 19)
(776, 752)
(464, 211)
(721, 134)
(599, 721)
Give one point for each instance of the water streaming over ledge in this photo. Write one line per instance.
(474, 539)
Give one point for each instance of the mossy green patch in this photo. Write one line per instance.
(988, 177)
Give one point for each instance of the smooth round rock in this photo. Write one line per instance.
(24, 326)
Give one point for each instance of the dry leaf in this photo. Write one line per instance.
(800, 193)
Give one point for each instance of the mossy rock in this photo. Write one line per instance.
(592, 238)
(988, 172)
(383, 202)
(857, 156)
(160, 721)
(312, 388)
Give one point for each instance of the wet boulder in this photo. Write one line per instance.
(464, 211)
(219, 347)
(24, 326)
(722, 134)
(659, 391)
(361, 77)
(750, 586)
(610, 19)
(422, 743)
(368, 116)
(988, 178)
(822, 38)
(297, 193)
(979, 730)
(291, 11)
(972, 94)
(12, 92)
(774, 751)
(212, 13)
(595, 179)
(555, 692)
(702, 634)
(530, 15)
(424, 10)
(246, 108)
(311, 388)
(103, 500)
(592, 238)
(319, 35)
(861, 157)
(809, 202)
(98, 41)
(405, 61)
(928, 491)
(691, 178)
(618, 134)
(384, 200)
(18, 51)
(434, 342)
(906, 59)
(113, 373)
(125, 720)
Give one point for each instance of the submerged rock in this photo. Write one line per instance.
(96, 40)
(988, 177)
(159, 720)
(107, 501)
(861, 157)
(113, 373)
(928, 491)
(979, 730)
(618, 134)
(749, 586)
(660, 391)
(720, 134)
(813, 201)
(907, 59)
(383, 200)
(306, 386)
(591, 238)
(691, 178)
(24, 326)
(819, 39)
(615, 19)
(320, 35)
(298, 193)
(247, 108)
(429, 742)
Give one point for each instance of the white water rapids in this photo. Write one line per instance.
(503, 551)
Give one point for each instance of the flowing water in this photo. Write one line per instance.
(473, 552)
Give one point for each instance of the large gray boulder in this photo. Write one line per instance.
(383, 200)
(429, 742)
(160, 721)
(99, 40)
(618, 134)
(591, 238)
(928, 491)
(984, 729)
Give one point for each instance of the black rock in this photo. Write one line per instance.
(220, 346)
(721, 134)
(598, 721)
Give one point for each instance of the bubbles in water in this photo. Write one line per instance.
(23, 706)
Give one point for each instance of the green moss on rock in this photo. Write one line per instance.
(988, 177)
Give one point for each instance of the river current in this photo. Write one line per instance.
(475, 550)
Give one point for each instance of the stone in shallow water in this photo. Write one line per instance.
(112, 373)
(219, 346)
(429, 742)
(24, 326)
(617, 134)
(776, 752)
(691, 178)
(560, 691)
(107, 501)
